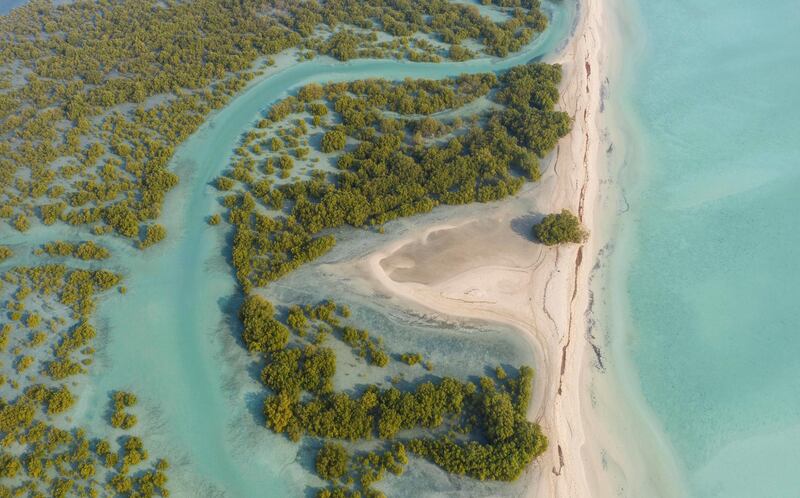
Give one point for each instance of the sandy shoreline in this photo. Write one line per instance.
(487, 268)
(482, 265)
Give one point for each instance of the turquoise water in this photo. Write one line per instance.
(172, 338)
(7, 5)
(712, 269)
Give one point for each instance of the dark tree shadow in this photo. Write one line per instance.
(255, 405)
(523, 226)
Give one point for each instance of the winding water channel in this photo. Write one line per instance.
(169, 340)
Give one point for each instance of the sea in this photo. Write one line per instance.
(706, 258)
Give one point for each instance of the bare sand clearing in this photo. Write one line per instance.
(488, 268)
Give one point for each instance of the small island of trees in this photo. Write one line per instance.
(560, 228)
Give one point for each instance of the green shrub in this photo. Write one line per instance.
(333, 140)
(21, 223)
(560, 228)
(262, 332)
(60, 400)
(153, 235)
(331, 461)
(224, 183)
(411, 358)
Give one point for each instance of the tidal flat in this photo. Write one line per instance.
(177, 344)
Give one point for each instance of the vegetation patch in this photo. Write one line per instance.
(478, 430)
(91, 112)
(48, 329)
(400, 164)
(81, 250)
(560, 228)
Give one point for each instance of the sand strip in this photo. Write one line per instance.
(485, 269)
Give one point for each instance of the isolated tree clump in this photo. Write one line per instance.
(560, 228)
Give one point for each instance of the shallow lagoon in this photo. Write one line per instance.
(173, 338)
(709, 248)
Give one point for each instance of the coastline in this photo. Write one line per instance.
(496, 274)
(541, 291)
(486, 268)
